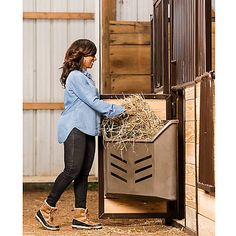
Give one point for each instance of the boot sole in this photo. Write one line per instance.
(46, 227)
(85, 227)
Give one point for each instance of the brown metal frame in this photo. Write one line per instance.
(206, 136)
(160, 34)
(178, 113)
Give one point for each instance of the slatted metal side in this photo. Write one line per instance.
(183, 33)
(133, 10)
(44, 44)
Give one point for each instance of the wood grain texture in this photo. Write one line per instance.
(133, 206)
(189, 92)
(190, 175)
(206, 204)
(43, 106)
(189, 110)
(191, 219)
(206, 227)
(129, 27)
(190, 153)
(125, 84)
(198, 89)
(190, 132)
(106, 81)
(58, 15)
(126, 39)
(130, 59)
(190, 196)
(197, 110)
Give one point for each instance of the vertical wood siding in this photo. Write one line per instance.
(44, 45)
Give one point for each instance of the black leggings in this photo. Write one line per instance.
(79, 150)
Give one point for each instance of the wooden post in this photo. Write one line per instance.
(108, 13)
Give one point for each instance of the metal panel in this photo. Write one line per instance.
(144, 10)
(29, 143)
(29, 91)
(206, 136)
(204, 31)
(133, 10)
(183, 33)
(45, 44)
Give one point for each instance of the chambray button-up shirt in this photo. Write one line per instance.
(83, 107)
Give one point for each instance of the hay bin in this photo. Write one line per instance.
(145, 168)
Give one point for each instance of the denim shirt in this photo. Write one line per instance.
(83, 107)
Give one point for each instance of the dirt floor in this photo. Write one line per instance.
(32, 200)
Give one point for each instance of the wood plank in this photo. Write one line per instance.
(197, 156)
(125, 84)
(126, 39)
(112, 8)
(190, 196)
(206, 227)
(190, 175)
(189, 92)
(134, 206)
(197, 109)
(43, 106)
(189, 110)
(198, 131)
(190, 132)
(58, 15)
(158, 107)
(117, 27)
(190, 153)
(130, 59)
(198, 89)
(191, 219)
(106, 82)
(206, 204)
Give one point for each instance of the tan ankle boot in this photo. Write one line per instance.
(45, 216)
(81, 220)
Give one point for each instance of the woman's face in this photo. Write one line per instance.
(88, 61)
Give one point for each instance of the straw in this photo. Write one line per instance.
(138, 122)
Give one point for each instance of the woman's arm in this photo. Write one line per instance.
(79, 85)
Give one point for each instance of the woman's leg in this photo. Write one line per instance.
(81, 181)
(74, 152)
(81, 219)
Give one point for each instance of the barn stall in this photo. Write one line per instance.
(163, 49)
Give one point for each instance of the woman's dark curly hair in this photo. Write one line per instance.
(74, 57)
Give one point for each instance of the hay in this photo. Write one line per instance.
(138, 122)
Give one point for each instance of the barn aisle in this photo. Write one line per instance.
(112, 227)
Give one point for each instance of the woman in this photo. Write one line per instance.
(78, 125)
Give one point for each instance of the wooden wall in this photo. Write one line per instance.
(199, 205)
(129, 58)
(190, 160)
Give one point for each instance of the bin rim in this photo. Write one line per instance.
(166, 125)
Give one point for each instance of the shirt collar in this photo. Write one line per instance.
(85, 72)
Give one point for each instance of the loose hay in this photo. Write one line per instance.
(138, 123)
